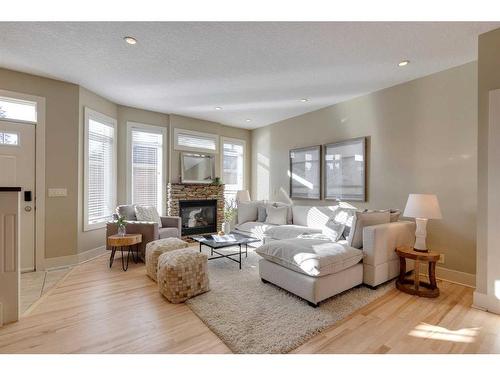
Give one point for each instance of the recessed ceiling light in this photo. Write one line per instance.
(304, 100)
(248, 120)
(130, 40)
(404, 63)
(218, 108)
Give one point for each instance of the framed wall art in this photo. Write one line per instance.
(305, 173)
(345, 170)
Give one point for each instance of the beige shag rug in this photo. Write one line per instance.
(253, 317)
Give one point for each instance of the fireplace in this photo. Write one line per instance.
(198, 216)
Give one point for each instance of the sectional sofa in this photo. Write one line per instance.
(316, 252)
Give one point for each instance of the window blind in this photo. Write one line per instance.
(147, 168)
(189, 140)
(233, 167)
(101, 176)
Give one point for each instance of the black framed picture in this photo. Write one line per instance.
(345, 170)
(305, 173)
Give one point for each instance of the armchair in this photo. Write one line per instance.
(171, 227)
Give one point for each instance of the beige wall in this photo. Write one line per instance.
(61, 133)
(488, 79)
(188, 123)
(422, 139)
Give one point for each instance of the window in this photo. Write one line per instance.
(233, 166)
(188, 140)
(17, 110)
(146, 177)
(100, 169)
(9, 139)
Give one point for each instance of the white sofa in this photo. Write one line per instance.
(376, 244)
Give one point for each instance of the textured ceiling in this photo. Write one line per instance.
(253, 70)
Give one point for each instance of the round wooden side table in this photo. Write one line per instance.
(123, 243)
(415, 286)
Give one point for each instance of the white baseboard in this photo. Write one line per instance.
(72, 260)
(485, 302)
(453, 276)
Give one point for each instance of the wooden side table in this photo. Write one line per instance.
(125, 242)
(415, 286)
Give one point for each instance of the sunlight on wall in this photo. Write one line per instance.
(497, 289)
(263, 182)
(429, 331)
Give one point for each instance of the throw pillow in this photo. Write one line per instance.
(148, 213)
(365, 219)
(127, 211)
(289, 215)
(247, 211)
(277, 215)
(261, 214)
(333, 229)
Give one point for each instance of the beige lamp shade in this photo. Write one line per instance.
(242, 196)
(424, 206)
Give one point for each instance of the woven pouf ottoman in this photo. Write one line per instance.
(182, 274)
(155, 248)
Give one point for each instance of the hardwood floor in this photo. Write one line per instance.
(97, 310)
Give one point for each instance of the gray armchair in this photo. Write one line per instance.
(151, 231)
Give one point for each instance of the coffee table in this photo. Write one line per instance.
(240, 239)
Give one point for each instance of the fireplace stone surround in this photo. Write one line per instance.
(177, 192)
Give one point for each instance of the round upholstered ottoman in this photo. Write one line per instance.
(155, 248)
(182, 274)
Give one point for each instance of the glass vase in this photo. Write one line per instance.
(122, 230)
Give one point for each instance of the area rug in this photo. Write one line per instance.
(253, 317)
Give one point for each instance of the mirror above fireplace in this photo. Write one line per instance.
(197, 168)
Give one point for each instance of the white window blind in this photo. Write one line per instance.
(147, 168)
(233, 166)
(100, 162)
(195, 141)
(18, 110)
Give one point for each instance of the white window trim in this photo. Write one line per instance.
(242, 142)
(20, 98)
(178, 147)
(154, 129)
(90, 113)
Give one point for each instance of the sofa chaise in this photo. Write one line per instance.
(301, 257)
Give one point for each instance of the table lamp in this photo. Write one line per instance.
(422, 207)
(242, 196)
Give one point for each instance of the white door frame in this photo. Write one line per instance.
(39, 173)
(165, 147)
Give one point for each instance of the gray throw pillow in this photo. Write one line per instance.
(126, 211)
(365, 219)
(261, 214)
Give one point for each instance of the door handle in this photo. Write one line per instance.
(27, 208)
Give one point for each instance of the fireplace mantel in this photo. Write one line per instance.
(181, 192)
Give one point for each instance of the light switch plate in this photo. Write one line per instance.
(58, 192)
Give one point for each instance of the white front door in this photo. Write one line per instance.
(17, 168)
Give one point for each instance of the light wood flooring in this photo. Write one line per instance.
(93, 309)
